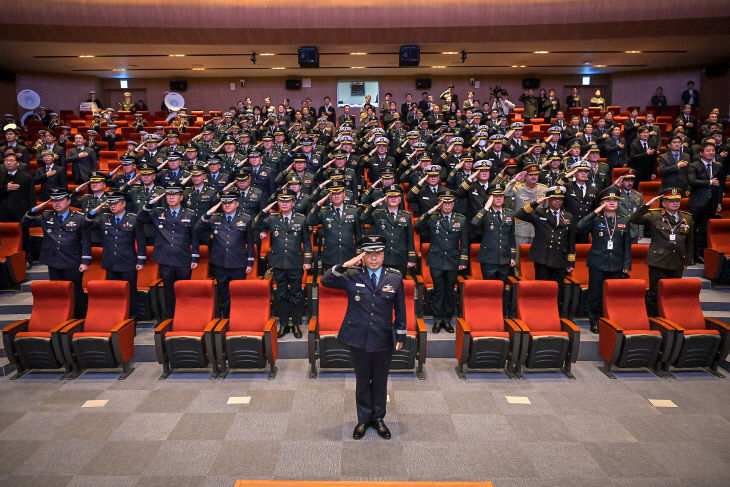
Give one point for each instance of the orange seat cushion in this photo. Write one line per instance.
(33, 334)
(701, 332)
(92, 334)
(244, 333)
(196, 334)
(490, 334)
(548, 333)
(641, 332)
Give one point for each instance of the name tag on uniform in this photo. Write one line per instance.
(388, 289)
(358, 284)
(672, 237)
(609, 245)
(543, 218)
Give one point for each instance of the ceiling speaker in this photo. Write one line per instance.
(308, 57)
(409, 56)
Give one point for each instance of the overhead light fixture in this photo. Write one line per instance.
(357, 53)
(177, 55)
(198, 69)
(515, 66)
(86, 56)
(449, 52)
(586, 80)
(279, 67)
(118, 69)
(522, 66)
(541, 52)
(123, 84)
(632, 52)
(267, 54)
(438, 67)
(600, 65)
(357, 67)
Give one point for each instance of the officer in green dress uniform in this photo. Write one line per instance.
(497, 250)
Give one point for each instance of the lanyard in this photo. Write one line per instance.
(672, 228)
(610, 231)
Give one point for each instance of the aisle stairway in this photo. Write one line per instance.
(17, 306)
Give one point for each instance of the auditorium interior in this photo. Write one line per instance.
(108, 383)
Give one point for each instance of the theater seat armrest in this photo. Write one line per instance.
(511, 326)
(514, 279)
(69, 326)
(164, 327)
(611, 324)
(313, 323)
(222, 326)
(121, 325)
(713, 324)
(16, 327)
(269, 325)
(574, 332)
(572, 280)
(419, 279)
(664, 324)
(521, 324)
(461, 323)
(420, 326)
(210, 326)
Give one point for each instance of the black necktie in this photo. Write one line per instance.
(374, 280)
(60, 218)
(338, 213)
(610, 221)
(229, 218)
(499, 217)
(117, 220)
(557, 217)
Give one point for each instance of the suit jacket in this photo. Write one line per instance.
(702, 193)
(663, 252)
(340, 235)
(375, 319)
(615, 155)
(83, 166)
(57, 149)
(65, 244)
(630, 131)
(14, 204)
(672, 174)
(231, 244)
(176, 244)
(291, 245)
(554, 242)
(618, 257)
(58, 180)
(398, 232)
(638, 156)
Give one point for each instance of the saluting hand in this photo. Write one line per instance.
(214, 208)
(156, 198)
(653, 200)
(598, 210)
(488, 203)
(435, 208)
(354, 261)
(324, 200)
(98, 208)
(270, 207)
(378, 202)
(39, 207)
(521, 176)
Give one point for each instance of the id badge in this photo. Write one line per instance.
(609, 245)
(672, 237)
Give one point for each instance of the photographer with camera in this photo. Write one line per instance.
(498, 100)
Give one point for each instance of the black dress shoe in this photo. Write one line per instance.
(297, 331)
(359, 431)
(448, 327)
(436, 327)
(699, 259)
(28, 265)
(382, 430)
(594, 328)
(283, 330)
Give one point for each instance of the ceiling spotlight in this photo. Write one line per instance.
(266, 54)
(86, 56)
(541, 52)
(449, 52)
(253, 57)
(632, 52)
(177, 55)
(463, 56)
(600, 65)
(438, 67)
(279, 67)
(357, 53)
(357, 67)
(198, 69)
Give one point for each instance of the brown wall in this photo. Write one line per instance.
(57, 92)
(8, 94)
(638, 88)
(716, 93)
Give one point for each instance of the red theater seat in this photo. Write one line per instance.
(322, 342)
(105, 338)
(413, 353)
(717, 252)
(186, 341)
(484, 338)
(627, 337)
(35, 343)
(700, 342)
(12, 257)
(551, 342)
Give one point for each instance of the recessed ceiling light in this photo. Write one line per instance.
(632, 52)
(177, 55)
(542, 52)
(600, 65)
(357, 67)
(267, 54)
(85, 56)
(279, 67)
(118, 69)
(438, 67)
(449, 52)
(357, 53)
(515, 66)
(198, 69)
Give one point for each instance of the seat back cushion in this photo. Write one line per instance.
(194, 305)
(623, 302)
(679, 301)
(483, 305)
(53, 303)
(11, 238)
(537, 305)
(332, 309)
(409, 289)
(250, 304)
(718, 235)
(108, 305)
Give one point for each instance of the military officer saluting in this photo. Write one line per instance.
(580, 196)
(553, 248)
(374, 325)
(174, 173)
(340, 225)
(120, 232)
(630, 201)
(290, 256)
(231, 246)
(448, 254)
(497, 250)
(199, 197)
(137, 196)
(65, 248)
(524, 189)
(610, 254)
(92, 199)
(671, 245)
(249, 198)
(176, 247)
(396, 226)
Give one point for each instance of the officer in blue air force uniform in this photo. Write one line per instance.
(375, 296)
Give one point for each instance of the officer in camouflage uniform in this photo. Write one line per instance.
(524, 189)
(630, 201)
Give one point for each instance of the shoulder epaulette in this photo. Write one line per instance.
(393, 270)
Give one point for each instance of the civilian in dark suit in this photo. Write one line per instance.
(12, 142)
(705, 196)
(49, 143)
(690, 96)
(642, 157)
(615, 148)
(83, 159)
(374, 325)
(17, 190)
(688, 121)
(49, 175)
(327, 110)
(673, 166)
(631, 127)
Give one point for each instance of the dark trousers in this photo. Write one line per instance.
(131, 278)
(595, 291)
(495, 272)
(75, 276)
(371, 383)
(557, 274)
(582, 237)
(223, 277)
(288, 295)
(656, 273)
(700, 217)
(443, 293)
(643, 172)
(170, 275)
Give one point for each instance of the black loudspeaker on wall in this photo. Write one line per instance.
(7, 76)
(178, 86)
(308, 57)
(409, 56)
(530, 83)
(293, 84)
(716, 70)
(423, 84)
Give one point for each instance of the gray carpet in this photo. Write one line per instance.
(590, 431)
